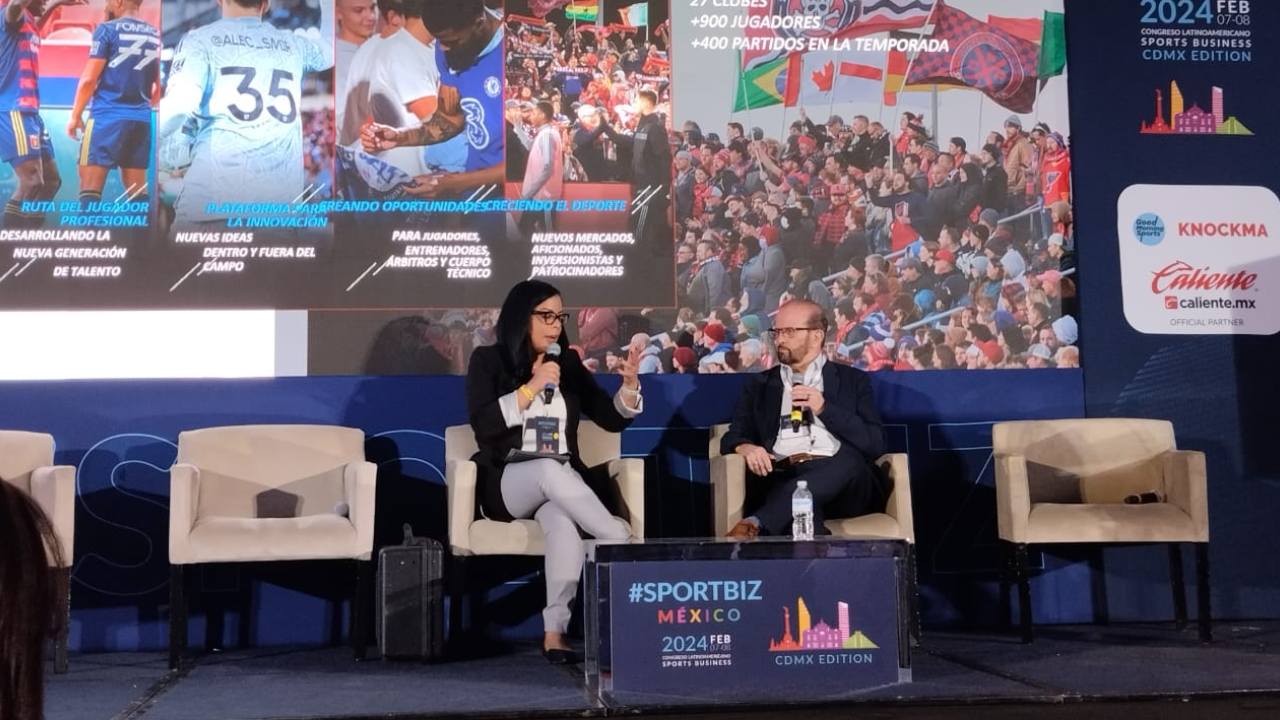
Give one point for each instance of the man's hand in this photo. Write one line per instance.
(448, 100)
(428, 186)
(376, 138)
(75, 126)
(807, 397)
(758, 459)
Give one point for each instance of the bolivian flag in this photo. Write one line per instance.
(583, 11)
(771, 83)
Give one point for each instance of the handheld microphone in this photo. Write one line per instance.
(797, 412)
(552, 355)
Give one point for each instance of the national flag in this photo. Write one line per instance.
(837, 19)
(540, 8)
(1053, 46)
(772, 83)
(635, 15)
(847, 76)
(584, 12)
(1028, 29)
(895, 73)
(980, 56)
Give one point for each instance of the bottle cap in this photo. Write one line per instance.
(802, 484)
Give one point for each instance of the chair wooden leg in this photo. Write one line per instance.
(177, 615)
(359, 610)
(1177, 585)
(64, 621)
(1098, 586)
(1203, 614)
(457, 594)
(914, 600)
(1024, 591)
(1006, 572)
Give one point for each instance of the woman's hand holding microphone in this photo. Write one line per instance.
(544, 373)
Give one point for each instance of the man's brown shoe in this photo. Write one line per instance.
(744, 530)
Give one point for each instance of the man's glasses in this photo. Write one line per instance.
(788, 332)
(551, 318)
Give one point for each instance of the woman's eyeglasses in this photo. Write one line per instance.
(550, 318)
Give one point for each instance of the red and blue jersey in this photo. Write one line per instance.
(19, 64)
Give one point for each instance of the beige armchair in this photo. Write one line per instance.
(264, 493)
(26, 462)
(1065, 481)
(729, 489)
(472, 536)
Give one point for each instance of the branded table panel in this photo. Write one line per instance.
(715, 620)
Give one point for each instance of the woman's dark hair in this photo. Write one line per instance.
(512, 329)
(30, 589)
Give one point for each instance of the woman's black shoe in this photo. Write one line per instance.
(557, 656)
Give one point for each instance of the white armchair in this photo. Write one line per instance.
(729, 491)
(473, 536)
(26, 462)
(1065, 481)
(264, 493)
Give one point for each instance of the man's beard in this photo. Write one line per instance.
(785, 355)
(464, 56)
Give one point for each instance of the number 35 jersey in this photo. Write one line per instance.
(237, 84)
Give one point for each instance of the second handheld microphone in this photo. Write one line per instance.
(552, 356)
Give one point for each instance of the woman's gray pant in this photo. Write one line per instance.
(555, 495)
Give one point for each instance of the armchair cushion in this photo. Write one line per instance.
(1108, 522)
(876, 525)
(231, 539)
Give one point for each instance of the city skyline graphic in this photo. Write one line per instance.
(819, 636)
(1194, 120)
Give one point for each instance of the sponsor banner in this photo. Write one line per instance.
(776, 628)
(1200, 259)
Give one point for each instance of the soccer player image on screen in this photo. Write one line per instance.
(469, 42)
(24, 139)
(231, 119)
(121, 79)
(394, 81)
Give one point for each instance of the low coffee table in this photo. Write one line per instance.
(716, 620)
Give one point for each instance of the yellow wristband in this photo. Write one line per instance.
(526, 392)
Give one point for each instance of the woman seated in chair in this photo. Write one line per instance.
(29, 592)
(522, 399)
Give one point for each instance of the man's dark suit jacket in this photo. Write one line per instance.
(489, 377)
(849, 414)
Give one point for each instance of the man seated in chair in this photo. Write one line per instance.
(807, 419)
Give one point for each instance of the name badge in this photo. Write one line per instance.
(546, 433)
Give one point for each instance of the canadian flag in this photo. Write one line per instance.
(842, 77)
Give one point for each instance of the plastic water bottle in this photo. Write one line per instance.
(802, 512)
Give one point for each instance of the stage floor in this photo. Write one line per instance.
(1065, 669)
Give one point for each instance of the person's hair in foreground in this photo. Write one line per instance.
(29, 592)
